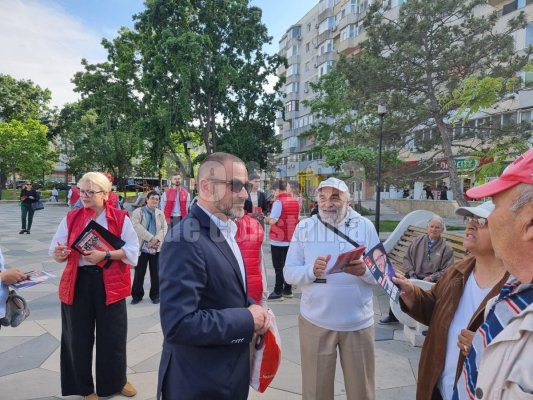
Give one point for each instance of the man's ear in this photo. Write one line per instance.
(526, 217)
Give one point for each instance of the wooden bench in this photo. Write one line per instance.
(410, 227)
(397, 253)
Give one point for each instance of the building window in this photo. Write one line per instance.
(291, 106)
(295, 32)
(293, 87)
(328, 23)
(324, 68)
(529, 34)
(350, 31)
(307, 46)
(294, 69)
(307, 66)
(326, 47)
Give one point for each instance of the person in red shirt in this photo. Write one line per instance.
(282, 220)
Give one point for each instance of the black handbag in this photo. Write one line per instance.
(16, 310)
(37, 205)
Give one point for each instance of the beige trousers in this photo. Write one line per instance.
(318, 349)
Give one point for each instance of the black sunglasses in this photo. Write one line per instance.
(235, 184)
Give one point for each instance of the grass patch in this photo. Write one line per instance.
(389, 226)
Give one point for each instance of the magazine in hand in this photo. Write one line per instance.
(377, 260)
(96, 237)
(345, 258)
(34, 278)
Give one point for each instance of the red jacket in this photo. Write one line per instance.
(75, 195)
(283, 229)
(249, 237)
(171, 195)
(117, 278)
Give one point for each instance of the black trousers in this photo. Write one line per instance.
(26, 213)
(137, 289)
(79, 321)
(279, 254)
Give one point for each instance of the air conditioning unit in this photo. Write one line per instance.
(316, 26)
(299, 38)
(334, 28)
(316, 65)
(306, 90)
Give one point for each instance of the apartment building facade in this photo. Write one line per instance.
(334, 27)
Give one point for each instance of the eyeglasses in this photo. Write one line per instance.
(476, 221)
(235, 184)
(89, 193)
(28, 184)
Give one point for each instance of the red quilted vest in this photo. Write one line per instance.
(249, 237)
(75, 195)
(283, 229)
(117, 278)
(171, 195)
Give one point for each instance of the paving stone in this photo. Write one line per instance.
(28, 356)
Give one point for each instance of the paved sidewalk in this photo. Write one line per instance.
(29, 354)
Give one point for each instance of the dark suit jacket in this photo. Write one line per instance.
(261, 202)
(206, 325)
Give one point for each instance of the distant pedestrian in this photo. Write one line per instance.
(429, 192)
(28, 196)
(54, 195)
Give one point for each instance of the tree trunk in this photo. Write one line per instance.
(447, 149)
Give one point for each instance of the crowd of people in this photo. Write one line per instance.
(207, 273)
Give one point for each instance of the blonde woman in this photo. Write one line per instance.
(93, 304)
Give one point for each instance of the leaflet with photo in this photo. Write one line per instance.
(34, 278)
(96, 237)
(377, 260)
(345, 258)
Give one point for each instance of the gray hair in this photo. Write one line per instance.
(525, 197)
(436, 218)
(98, 179)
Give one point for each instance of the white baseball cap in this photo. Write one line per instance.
(333, 183)
(483, 210)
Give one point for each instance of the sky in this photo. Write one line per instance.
(45, 40)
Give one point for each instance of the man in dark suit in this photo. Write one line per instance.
(256, 198)
(207, 318)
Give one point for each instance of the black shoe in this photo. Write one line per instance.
(155, 301)
(27, 231)
(275, 296)
(287, 293)
(388, 320)
(135, 301)
(22, 231)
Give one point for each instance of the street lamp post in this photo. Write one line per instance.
(382, 110)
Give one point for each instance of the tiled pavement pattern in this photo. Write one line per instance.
(29, 354)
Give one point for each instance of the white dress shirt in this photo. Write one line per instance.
(229, 230)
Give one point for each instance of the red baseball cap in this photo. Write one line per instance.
(519, 171)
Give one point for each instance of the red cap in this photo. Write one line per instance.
(520, 171)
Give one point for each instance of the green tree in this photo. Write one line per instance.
(22, 99)
(203, 70)
(417, 62)
(25, 149)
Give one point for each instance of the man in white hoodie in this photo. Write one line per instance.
(336, 312)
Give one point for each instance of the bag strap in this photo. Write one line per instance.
(337, 232)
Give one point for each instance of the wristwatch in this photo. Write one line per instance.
(107, 255)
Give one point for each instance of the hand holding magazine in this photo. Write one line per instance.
(378, 262)
(96, 237)
(32, 278)
(345, 258)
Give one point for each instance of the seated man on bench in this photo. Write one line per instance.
(426, 258)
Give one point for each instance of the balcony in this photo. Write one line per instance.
(291, 96)
(290, 115)
(328, 12)
(324, 36)
(292, 78)
(327, 56)
(293, 59)
(347, 20)
(349, 45)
